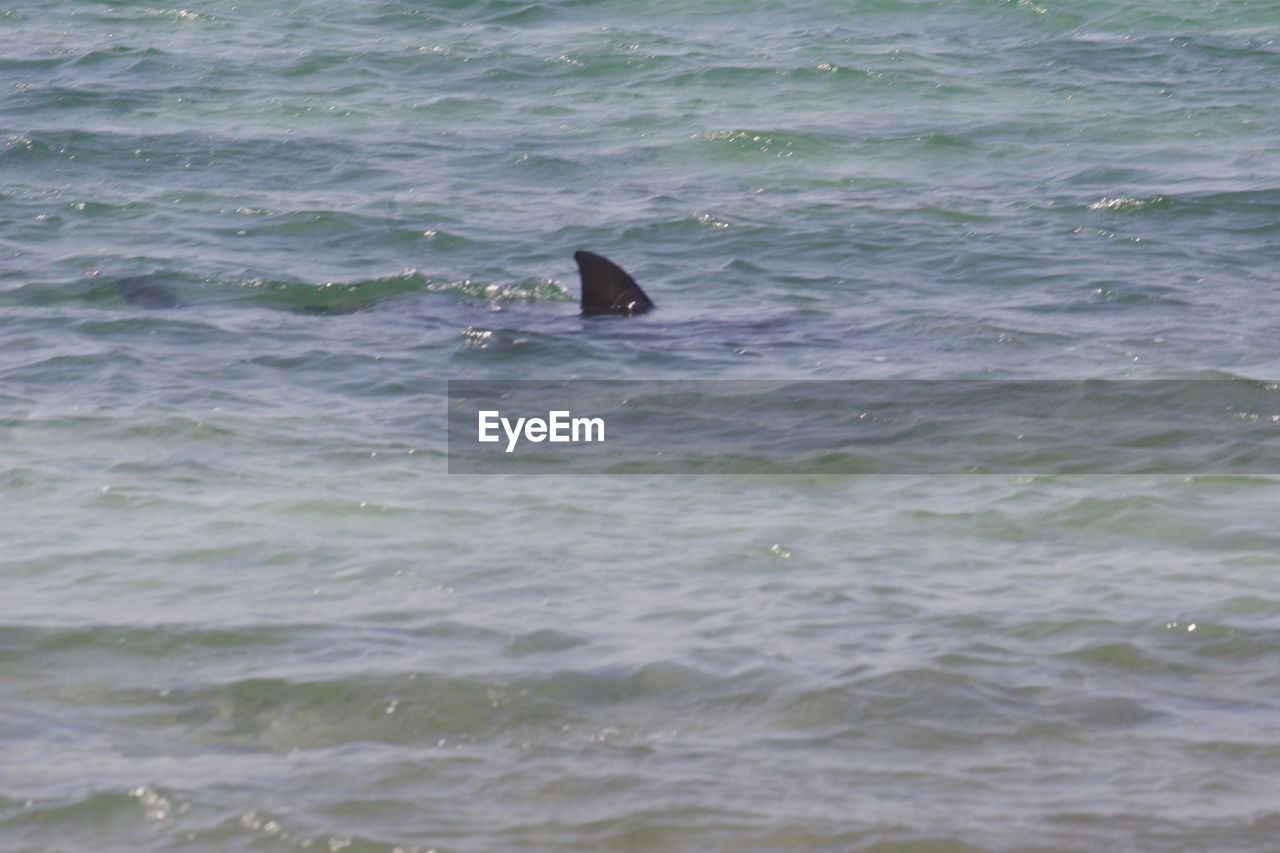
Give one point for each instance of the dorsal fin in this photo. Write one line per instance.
(607, 289)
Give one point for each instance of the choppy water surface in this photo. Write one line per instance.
(244, 244)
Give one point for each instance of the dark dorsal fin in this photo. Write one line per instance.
(607, 289)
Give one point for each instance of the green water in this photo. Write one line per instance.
(245, 244)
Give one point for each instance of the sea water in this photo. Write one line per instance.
(246, 243)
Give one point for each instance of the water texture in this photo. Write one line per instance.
(244, 245)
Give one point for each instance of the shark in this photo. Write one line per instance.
(606, 289)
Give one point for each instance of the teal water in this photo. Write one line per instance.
(245, 608)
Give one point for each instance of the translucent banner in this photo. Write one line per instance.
(864, 427)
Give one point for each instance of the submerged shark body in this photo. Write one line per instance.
(138, 291)
(606, 289)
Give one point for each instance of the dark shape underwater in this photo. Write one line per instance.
(138, 291)
(606, 289)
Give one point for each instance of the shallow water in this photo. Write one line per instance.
(244, 245)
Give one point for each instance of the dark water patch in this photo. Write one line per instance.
(1139, 515)
(87, 290)
(1107, 178)
(1125, 19)
(660, 682)
(52, 102)
(1246, 210)
(329, 225)
(481, 10)
(345, 298)
(1129, 658)
(108, 811)
(161, 291)
(1103, 712)
(552, 344)
(145, 294)
(37, 64)
(1108, 293)
(1040, 629)
(286, 831)
(739, 143)
(516, 74)
(400, 17)
(21, 149)
(281, 715)
(101, 372)
(669, 828)
(1230, 643)
(726, 76)
(455, 108)
(153, 641)
(119, 331)
(867, 706)
(547, 168)
(310, 63)
(17, 478)
(1252, 605)
(543, 641)
(1262, 754)
(120, 57)
(206, 160)
(518, 14)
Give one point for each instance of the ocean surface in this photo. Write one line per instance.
(245, 244)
